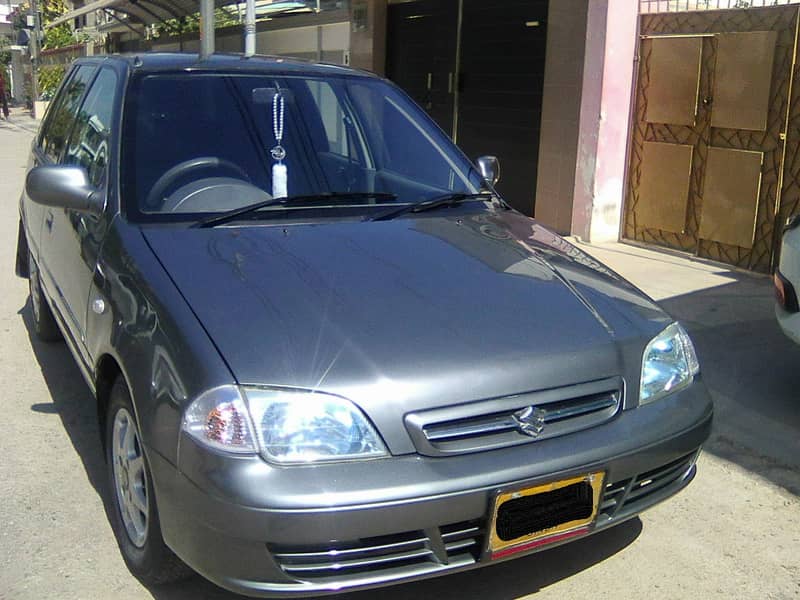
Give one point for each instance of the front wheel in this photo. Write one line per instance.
(134, 517)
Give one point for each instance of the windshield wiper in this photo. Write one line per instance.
(431, 203)
(307, 200)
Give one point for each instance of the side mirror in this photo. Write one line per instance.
(489, 166)
(63, 186)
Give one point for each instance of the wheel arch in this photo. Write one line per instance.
(106, 373)
(21, 267)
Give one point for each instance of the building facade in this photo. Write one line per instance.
(602, 112)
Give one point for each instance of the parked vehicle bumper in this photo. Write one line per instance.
(266, 531)
(787, 278)
(789, 322)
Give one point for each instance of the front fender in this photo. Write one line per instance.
(137, 316)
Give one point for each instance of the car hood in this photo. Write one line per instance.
(409, 313)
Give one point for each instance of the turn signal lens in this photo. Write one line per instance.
(219, 419)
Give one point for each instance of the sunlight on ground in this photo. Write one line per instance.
(661, 274)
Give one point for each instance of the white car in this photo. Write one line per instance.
(787, 280)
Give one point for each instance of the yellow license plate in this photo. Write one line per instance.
(530, 517)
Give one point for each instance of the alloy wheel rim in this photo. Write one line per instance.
(129, 477)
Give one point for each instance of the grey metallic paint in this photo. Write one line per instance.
(459, 305)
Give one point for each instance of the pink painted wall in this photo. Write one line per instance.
(588, 126)
(605, 114)
(612, 144)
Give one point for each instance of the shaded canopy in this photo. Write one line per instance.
(149, 12)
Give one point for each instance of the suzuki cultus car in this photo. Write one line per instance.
(326, 354)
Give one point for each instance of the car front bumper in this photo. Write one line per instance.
(298, 531)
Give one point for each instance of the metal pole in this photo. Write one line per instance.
(34, 50)
(206, 28)
(250, 28)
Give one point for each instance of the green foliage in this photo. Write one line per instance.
(58, 37)
(52, 9)
(5, 52)
(50, 77)
(55, 37)
(223, 18)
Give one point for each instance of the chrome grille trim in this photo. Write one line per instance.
(373, 561)
(490, 424)
(438, 433)
(461, 544)
(335, 554)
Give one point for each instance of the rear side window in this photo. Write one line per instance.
(60, 121)
(88, 142)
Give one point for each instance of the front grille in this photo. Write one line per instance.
(512, 420)
(408, 553)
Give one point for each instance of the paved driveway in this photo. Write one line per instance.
(734, 533)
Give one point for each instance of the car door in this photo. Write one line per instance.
(33, 213)
(71, 239)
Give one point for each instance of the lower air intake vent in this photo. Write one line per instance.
(632, 495)
(393, 555)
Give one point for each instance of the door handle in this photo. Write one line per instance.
(48, 220)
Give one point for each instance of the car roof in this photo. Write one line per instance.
(224, 62)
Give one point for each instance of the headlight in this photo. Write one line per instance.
(287, 426)
(669, 364)
(297, 427)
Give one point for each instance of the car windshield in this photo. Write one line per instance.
(197, 144)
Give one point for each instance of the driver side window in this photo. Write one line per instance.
(89, 142)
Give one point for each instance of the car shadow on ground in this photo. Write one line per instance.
(73, 402)
(753, 373)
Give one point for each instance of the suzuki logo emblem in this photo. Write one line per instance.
(530, 420)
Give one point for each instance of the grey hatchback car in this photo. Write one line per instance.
(326, 354)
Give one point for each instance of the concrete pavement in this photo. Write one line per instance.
(20, 118)
(734, 533)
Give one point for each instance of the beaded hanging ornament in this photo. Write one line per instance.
(278, 152)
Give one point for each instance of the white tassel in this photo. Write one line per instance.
(279, 181)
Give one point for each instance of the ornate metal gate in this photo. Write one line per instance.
(715, 161)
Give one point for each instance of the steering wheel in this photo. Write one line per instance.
(195, 164)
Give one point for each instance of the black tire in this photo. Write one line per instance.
(150, 560)
(44, 323)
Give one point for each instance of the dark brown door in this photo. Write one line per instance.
(421, 54)
(500, 84)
